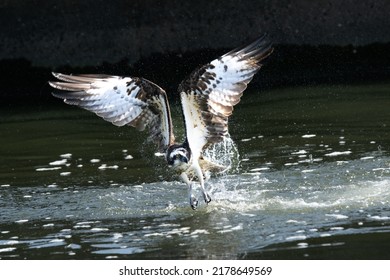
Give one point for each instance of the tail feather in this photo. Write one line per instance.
(209, 166)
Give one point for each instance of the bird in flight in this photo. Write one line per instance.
(207, 95)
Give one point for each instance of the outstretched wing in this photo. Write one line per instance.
(210, 92)
(122, 101)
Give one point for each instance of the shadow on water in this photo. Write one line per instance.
(312, 183)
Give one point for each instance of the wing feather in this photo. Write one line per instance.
(122, 101)
(209, 94)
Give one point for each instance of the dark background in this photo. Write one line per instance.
(316, 42)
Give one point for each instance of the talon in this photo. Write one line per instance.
(207, 198)
(193, 202)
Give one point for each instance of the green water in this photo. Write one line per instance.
(313, 183)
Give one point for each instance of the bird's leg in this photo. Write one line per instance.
(199, 173)
(193, 200)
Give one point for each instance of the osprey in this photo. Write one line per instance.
(207, 99)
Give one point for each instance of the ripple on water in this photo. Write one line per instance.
(119, 251)
(46, 243)
(337, 216)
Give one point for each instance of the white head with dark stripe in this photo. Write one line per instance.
(178, 156)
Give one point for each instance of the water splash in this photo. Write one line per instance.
(224, 153)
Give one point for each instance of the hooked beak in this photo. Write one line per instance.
(183, 159)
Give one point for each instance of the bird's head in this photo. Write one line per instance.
(178, 156)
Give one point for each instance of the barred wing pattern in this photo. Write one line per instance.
(122, 101)
(210, 93)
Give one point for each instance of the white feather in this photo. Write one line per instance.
(195, 127)
(119, 100)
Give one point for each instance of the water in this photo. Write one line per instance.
(312, 182)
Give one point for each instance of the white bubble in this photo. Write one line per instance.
(259, 169)
(105, 166)
(334, 154)
(47, 169)
(296, 237)
(66, 155)
(309, 136)
(21, 221)
(300, 152)
(58, 162)
(337, 216)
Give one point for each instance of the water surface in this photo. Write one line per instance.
(310, 180)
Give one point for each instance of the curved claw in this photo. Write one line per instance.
(206, 197)
(193, 202)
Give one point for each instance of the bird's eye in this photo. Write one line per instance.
(183, 159)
